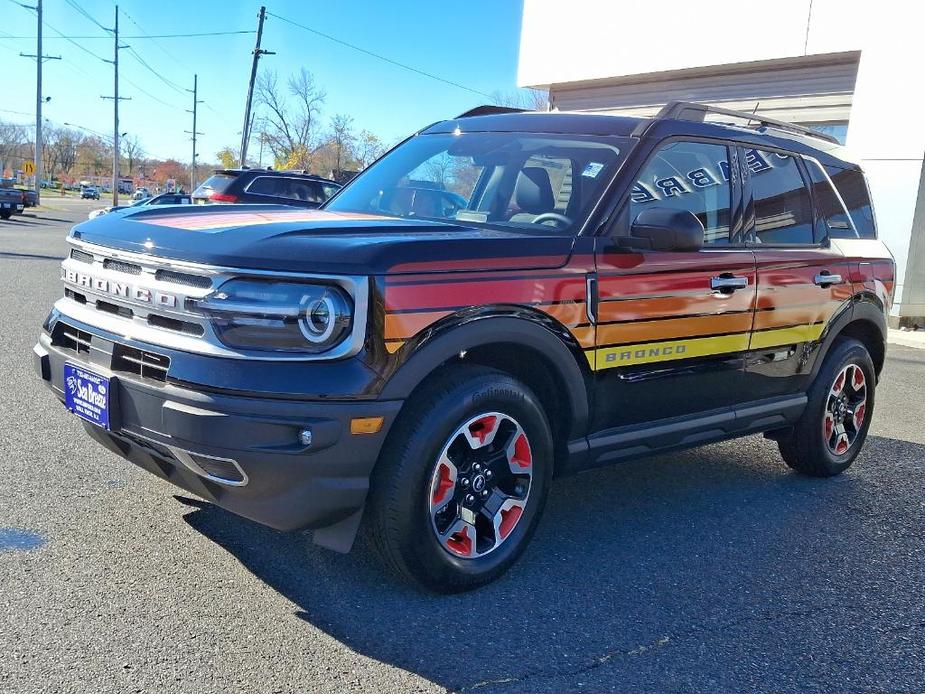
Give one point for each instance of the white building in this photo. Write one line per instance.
(852, 68)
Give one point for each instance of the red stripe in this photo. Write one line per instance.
(520, 291)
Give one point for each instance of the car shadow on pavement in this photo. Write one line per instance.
(664, 554)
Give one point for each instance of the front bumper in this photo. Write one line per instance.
(265, 472)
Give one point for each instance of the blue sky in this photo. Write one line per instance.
(474, 43)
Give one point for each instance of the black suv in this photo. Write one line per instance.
(265, 186)
(501, 299)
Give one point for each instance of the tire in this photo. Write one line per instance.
(468, 415)
(816, 446)
(5, 214)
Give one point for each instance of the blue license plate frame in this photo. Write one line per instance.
(87, 394)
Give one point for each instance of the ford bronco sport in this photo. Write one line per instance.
(609, 287)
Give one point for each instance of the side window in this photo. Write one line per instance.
(783, 212)
(830, 208)
(852, 186)
(264, 185)
(690, 176)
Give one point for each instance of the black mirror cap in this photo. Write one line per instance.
(662, 229)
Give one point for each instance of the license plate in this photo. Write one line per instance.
(86, 394)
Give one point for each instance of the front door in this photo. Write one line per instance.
(673, 328)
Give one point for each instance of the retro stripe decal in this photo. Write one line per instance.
(671, 350)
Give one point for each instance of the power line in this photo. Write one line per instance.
(86, 14)
(147, 36)
(172, 85)
(381, 57)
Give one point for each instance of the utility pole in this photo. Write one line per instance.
(39, 59)
(192, 175)
(258, 51)
(115, 111)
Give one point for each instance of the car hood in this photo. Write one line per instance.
(279, 238)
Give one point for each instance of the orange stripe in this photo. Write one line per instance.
(584, 335)
(407, 324)
(644, 331)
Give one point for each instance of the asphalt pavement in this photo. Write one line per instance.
(716, 569)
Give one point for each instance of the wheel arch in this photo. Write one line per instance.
(527, 344)
(864, 320)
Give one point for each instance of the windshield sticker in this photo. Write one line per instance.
(592, 169)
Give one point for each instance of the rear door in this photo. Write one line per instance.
(802, 280)
(672, 328)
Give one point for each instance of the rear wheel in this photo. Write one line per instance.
(460, 486)
(833, 428)
(5, 214)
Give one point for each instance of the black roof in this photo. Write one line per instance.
(675, 119)
(276, 172)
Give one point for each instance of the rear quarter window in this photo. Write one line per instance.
(852, 186)
(216, 183)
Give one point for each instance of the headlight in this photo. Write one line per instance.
(278, 316)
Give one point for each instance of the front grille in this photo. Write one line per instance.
(180, 326)
(114, 309)
(76, 296)
(122, 266)
(82, 256)
(69, 337)
(140, 362)
(183, 278)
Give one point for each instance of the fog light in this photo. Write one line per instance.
(305, 437)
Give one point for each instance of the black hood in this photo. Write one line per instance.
(270, 237)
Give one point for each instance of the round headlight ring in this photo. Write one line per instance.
(319, 320)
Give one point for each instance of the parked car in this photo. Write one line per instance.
(265, 186)
(141, 194)
(162, 199)
(613, 287)
(11, 201)
(90, 193)
(30, 198)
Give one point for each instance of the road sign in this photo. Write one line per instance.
(28, 168)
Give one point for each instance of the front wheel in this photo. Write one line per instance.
(834, 425)
(460, 486)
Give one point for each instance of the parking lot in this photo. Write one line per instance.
(715, 569)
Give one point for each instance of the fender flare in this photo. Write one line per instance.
(527, 329)
(861, 307)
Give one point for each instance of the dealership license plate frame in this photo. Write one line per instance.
(88, 395)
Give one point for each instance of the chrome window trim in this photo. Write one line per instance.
(137, 327)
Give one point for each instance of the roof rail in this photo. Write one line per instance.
(691, 111)
(489, 110)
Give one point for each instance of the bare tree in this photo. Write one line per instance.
(367, 148)
(13, 138)
(290, 122)
(131, 146)
(342, 138)
(529, 99)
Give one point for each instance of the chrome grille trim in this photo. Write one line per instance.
(139, 327)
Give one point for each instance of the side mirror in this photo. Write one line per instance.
(662, 229)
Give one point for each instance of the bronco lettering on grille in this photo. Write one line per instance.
(121, 289)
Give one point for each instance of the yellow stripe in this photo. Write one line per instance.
(392, 347)
(671, 350)
(787, 336)
(647, 353)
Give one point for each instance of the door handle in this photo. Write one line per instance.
(826, 278)
(728, 283)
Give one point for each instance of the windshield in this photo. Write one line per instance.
(503, 180)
